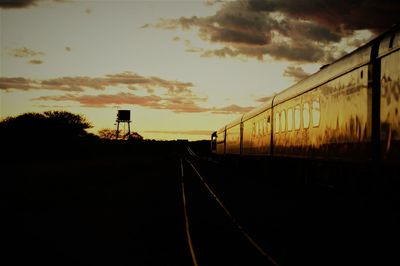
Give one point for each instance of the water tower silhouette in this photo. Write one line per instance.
(124, 117)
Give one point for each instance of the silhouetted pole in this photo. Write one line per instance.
(117, 132)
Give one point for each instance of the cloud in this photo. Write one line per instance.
(340, 16)
(151, 101)
(298, 31)
(161, 94)
(18, 83)
(297, 73)
(81, 83)
(17, 3)
(102, 100)
(212, 2)
(264, 99)
(51, 106)
(182, 132)
(232, 109)
(35, 62)
(73, 84)
(9, 4)
(175, 104)
(26, 53)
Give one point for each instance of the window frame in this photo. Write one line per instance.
(306, 119)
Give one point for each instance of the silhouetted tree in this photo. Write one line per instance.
(50, 125)
(66, 124)
(107, 133)
(135, 136)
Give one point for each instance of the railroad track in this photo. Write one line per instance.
(245, 248)
(289, 223)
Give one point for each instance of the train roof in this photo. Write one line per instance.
(265, 106)
(222, 129)
(327, 73)
(343, 65)
(390, 42)
(234, 122)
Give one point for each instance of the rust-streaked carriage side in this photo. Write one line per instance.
(389, 56)
(328, 114)
(257, 126)
(233, 137)
(349, 110)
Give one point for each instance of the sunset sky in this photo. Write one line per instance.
(183, 68)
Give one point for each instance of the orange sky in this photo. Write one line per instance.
(183, 68)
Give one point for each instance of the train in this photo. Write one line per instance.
(347, 111)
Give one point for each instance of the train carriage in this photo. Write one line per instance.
(349, 110)
(233, 137)
(256, 128)
(220, 141)
(389, 56)
(326, 115)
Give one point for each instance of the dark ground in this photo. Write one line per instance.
(121, 204)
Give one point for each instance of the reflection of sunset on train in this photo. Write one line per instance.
(183, 69)
(346, 111)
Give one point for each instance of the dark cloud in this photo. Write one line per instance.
(292, 30)
(184, 132)
(223, 52)
(17, 3)
(28, 53)
(8, 4)
(337, 15)
(25, 52)
(297, 73)
(35, 62)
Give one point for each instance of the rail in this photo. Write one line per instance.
(232, 218)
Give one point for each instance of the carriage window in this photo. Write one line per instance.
(290, 119)
(277, 122)
(316, 113)
(268, 124)
(283, 121)
(297, 117)
(306, 115)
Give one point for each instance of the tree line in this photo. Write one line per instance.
(53, 125)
